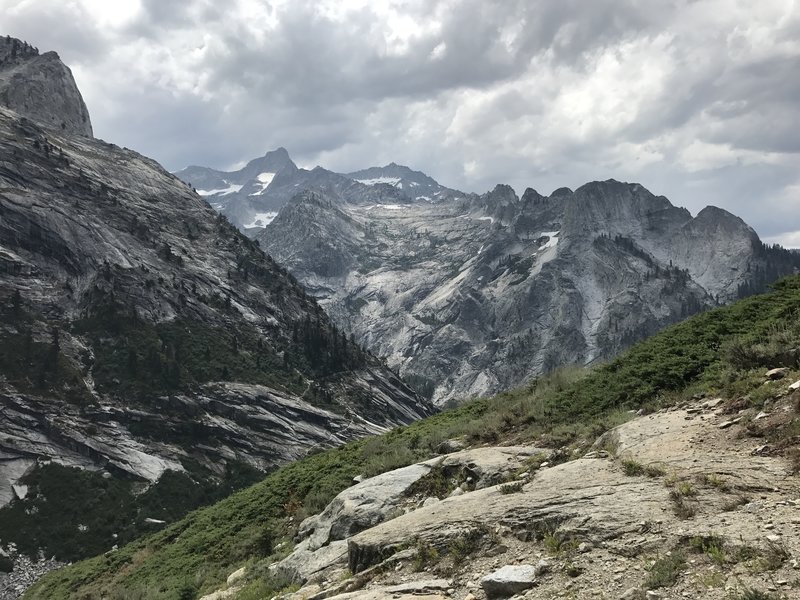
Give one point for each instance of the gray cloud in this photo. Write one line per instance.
(698, 101)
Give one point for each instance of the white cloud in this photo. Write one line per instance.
(696, 100)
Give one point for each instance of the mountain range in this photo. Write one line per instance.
(468, 295)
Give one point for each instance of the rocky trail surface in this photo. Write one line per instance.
(682, 503)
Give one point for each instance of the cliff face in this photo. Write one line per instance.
(41, 88)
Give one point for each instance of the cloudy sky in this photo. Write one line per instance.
(698, 100)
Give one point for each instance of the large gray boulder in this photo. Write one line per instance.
(378, 499)
(509, 580)
(362, 506)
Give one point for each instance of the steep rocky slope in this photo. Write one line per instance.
(670, 472)
(470, 296)
(146, 341)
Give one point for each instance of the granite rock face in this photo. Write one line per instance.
(98, 246)
(41, 88)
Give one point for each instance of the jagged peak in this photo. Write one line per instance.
(279, 151)
(13, 48)
(531, 196)
(502, 189)
(273, 160)
(608, 184)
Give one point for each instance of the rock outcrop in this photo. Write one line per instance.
(383, 497)
(41, 88)
(702, 512)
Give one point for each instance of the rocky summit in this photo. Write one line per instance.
(148, 343)
(41, 87)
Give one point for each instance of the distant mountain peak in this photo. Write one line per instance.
(561, 192)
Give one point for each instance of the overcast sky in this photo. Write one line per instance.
(699, 100)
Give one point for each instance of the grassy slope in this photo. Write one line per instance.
(724, 350)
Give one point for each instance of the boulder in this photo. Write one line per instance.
(303, 564)
(510, 580)
(775, 374)
(362, 506)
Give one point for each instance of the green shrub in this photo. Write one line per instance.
(512, 488)
(632, 468)
(666, 570)
(425, 557)
(712, 546)
(754, 594)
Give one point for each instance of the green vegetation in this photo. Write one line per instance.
(772, 558)
(434, 484)
(559, 543)
(464, 545)
(31, 357)
(108, 509)
(562, 408)
(633, 468)
(666, 570)
(512, 488)
(754, 594)
(713, 546)
(426, 556)
(134, 358)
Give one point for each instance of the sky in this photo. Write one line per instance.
(698, 100)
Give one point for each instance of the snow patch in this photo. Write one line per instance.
(426, 198)
(262, 219)
(546, 252)
(377, 180)
(232, 189)
(491, 219)
(264, 179)
(552, 242)
(388, 206)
